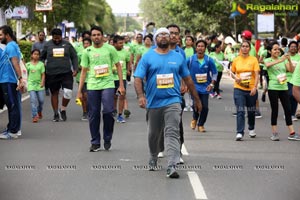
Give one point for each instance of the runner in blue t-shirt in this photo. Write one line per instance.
(11, 82)
(163, 70)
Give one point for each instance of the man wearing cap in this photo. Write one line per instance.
(163, 70)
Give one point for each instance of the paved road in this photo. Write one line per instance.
(51, 160)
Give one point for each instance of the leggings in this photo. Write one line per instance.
(283, 95)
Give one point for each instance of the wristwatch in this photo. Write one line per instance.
(20, 77)
(211, 85)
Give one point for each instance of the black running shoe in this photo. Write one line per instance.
(63, 115)
(127, 113)
(95, 148)
(107, 145)
(152, 165)
(56, 117)
(171, 172)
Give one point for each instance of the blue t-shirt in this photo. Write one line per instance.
(7, 71)
(163, 73)
(202, 73)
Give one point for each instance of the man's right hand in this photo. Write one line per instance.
(142, 102)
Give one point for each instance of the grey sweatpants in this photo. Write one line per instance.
(165, 121)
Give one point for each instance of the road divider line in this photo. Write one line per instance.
(23, 99)
(184, 151)
(197, 185)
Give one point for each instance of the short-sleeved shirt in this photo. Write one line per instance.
(189, 51)
(163, 73)
(276, 75)
(296, 76)
(218, 57)
(135, 49)
(252, 51)
(35, 76)
(143, 50)
(202, 72)
(245, 68)
(124, 57)
(295, 60)
(7, 71)
(99, 62)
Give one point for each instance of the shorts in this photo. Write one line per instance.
(57, 81)
(117, 84)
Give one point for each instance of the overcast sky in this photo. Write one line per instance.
(124, 6)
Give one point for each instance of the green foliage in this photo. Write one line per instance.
(84, 13)
(25, 48)
(130, 23)
(212, 16)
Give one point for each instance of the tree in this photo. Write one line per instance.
(84, 13)
(127, 24)
(209, 16)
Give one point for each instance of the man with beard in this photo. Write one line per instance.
(11, 82)
(173, 45)
(61, 67)
(163, 70)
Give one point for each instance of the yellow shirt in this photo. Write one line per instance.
(245, 68)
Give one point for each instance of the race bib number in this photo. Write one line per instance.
(245, 79)
(101, 70)
(201, 78)
(282, 78)
(58, 52)
(165, 80)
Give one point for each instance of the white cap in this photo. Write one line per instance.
(161, 30)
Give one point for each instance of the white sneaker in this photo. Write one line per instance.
(7, 136)
(181, 161)
(239, 137)
(252, 133)
(294, 118)
(19, 133)
(185, 109)
(160, 155)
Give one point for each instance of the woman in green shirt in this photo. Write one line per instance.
(277, 88)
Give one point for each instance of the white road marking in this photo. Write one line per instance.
(184, 151)
(23, 99)
(197, 185)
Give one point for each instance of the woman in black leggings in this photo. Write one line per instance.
(277, 87)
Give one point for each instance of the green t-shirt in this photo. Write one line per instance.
(78, 46)
(143, 50)
(295, 60)
(124, 58)
(252, 51)
(136, 49)
(296, 76)
(263, 53)
(128, 46)
(218, 57)
(274, 73)
(189, 51)
(100, 62)
(34, 78)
